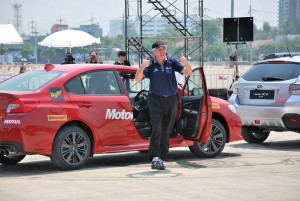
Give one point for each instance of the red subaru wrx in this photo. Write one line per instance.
(70, 112)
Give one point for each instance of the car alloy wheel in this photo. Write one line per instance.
(71, 148)
(74, 148)
(215, 144)
(215, 141)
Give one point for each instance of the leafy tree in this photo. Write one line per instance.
(289, 28)
(212, 31)
(267, 27)
(267, 49)
(215, 52)
(3, 49)
(27, 50)
(48, 54)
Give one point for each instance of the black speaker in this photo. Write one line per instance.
(246, 29)
(230, 29)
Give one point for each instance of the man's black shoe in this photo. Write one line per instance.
(158, 165)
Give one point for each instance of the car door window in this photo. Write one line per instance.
(94, 83)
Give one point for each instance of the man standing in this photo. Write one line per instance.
(163, 98)
(122, 59)
(23, 67)
(93, 58)
(69, 59)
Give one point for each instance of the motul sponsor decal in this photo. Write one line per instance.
(57, 118)
(12, 121)
(114, 114)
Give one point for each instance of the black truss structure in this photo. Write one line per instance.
(134, 43)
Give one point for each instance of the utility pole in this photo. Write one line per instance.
(60, 20)
(18, 17)
(250, 12)
(92, 20)
(34, 33)
(232, 8)
(32, 27)
(36, 45)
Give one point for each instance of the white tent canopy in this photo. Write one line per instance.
(69, 38)
(9, 35)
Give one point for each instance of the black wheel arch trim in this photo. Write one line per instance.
(83, 126)
(223, 121)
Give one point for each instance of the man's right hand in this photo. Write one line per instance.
(140, 73)
(145, 62)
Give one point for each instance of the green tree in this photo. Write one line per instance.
(212, 31)
(267, 27)
(47, 54)
(267, 49)
(215, 52)
(3, 49)
(27, 50)
(288, 28)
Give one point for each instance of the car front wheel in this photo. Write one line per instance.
(215, 144)
(71, 148)
(253, 135)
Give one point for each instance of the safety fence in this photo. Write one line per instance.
(216, 76)
(222, 77)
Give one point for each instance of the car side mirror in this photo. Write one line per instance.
(197, 91)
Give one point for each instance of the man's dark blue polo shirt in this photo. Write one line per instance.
(162, 77)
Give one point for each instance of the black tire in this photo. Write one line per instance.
(253, 135)
(71, 148)
(11, 160)
(144, 151)
(215, 144)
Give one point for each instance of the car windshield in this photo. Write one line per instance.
(29, 81)
(272, 72)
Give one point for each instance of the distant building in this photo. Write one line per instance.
(116, 27)
(93, 29)
(151, 26)
(58, 27)
(289, 10)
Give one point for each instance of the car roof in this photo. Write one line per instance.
(284, 59)
(280, 54)
(88, 67)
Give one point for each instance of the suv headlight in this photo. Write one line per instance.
(232, 108)
(235, 87)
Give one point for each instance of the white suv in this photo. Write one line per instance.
(267, 98)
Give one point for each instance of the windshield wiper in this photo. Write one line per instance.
(271, 78)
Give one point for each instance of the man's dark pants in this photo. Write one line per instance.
(162, 118)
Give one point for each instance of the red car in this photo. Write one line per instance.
(70, 112)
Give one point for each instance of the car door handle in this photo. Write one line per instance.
(87, 105)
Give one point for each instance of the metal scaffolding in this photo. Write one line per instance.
(137, 10)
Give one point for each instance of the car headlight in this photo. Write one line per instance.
(235, 87)
(232, 108)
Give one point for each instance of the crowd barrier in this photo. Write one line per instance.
(216, 76)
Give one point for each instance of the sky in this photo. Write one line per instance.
(45, 13)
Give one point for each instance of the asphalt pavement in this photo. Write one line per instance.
(242, 172)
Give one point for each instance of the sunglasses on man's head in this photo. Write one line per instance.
(163, 47)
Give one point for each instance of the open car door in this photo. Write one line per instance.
(195, 119)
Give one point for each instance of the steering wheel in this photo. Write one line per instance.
(140, 101)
